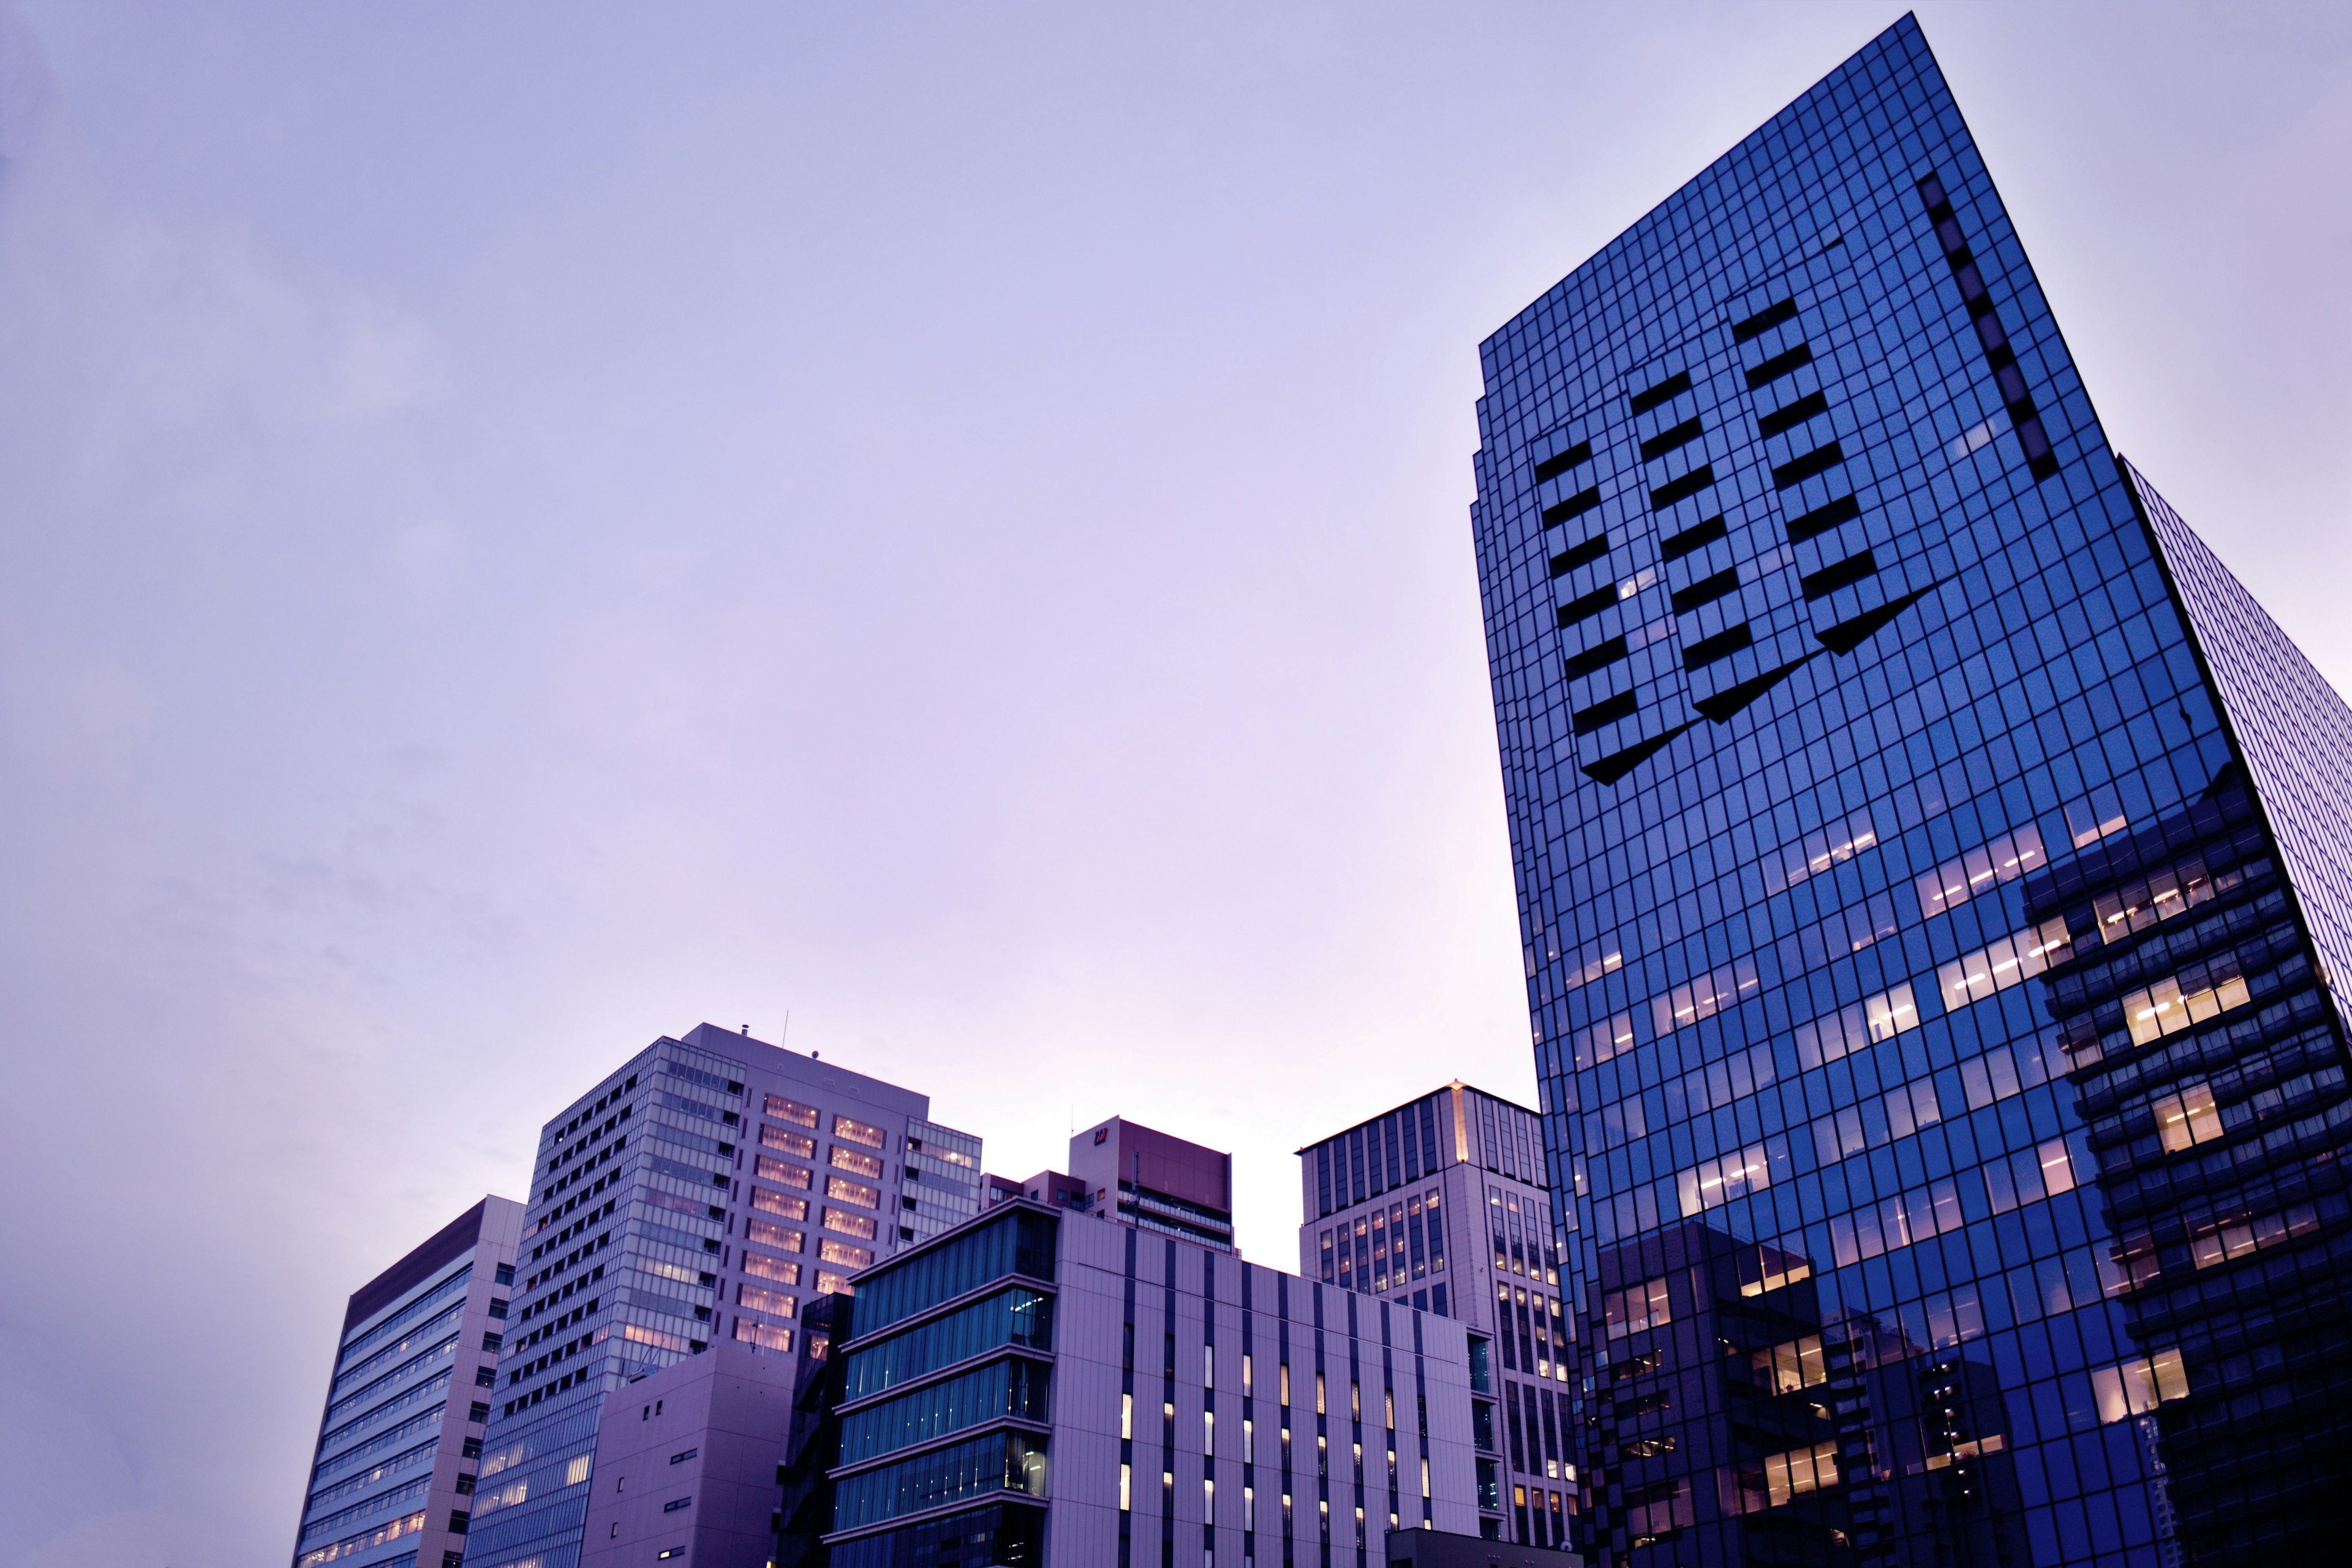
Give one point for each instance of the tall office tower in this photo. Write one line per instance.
(701, 1194)
(1930, 862)
(1038, 1387)
(391, 1479)
(1441, 1205)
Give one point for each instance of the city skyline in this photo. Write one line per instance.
(518, 541)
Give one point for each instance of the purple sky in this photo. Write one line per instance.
(525, 528)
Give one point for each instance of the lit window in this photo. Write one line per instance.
(2009, 962)
(791, 1111)
(2186, 1118)
(857, 1132)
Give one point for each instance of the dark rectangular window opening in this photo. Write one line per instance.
(1844, 573)
(1665, 441)
(1608, 710)
(1780, 364)
(1689, 485)
(1707, 590)
(1599, 655)
(1675, 546)
(1560, 462)
(1583, 554)
(1994, 339)
(1821, 519)
(1797, 470)
(1791, 416)
(1672, 386)
(1764, 320)
(1586, 606)
(1722, 644)
(1576, 505)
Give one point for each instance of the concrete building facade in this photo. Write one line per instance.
(699, 1195)
(1037, 1387)
(1441, 1205)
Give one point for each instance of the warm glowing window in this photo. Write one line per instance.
(2009, 962)
(774, 1137)
(850, 1160)
(861, 1225)
(1978, 871)
(773, 1303)
(768, 1235)
(759, 1265)
(2202, 991)
(777, 1171)
(1635, 1308)
(858, 1133)
(849, 1192)
(791, 1111)
(842, 1253)
(2186, 1118)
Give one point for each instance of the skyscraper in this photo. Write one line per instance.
(701, 1194)
(1930, 866)
(1441, 1205)
(391, 1479)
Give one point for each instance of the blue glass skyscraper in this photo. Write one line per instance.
(1931, 866)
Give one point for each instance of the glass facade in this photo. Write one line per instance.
(1929, 865)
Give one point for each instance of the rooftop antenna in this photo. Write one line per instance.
(788, 1030)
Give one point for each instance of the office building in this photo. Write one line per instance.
(1442, 1204)
(1930, 862)
(700, 1195)
(1041, 1387)
(1162, 1183)
(391, 1479)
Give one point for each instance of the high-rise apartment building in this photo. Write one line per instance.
(392, 1479)
(1441, 1205)
(699, 1195)
(1931, 866)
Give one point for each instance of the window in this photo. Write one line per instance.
(2218, 1239)
(1728, 1176)
(1651, 1512)
(1597, 1043)
(768, 1235)
(1956, 881)
(762, 1336)
(760, 1299)
(2186, 1118)
(2198, 993)
(858, 1224)
(2164, 894)
(767, 1202)
(760, 1266)
(850, 1160)
(791, 1111)
(772, 1136)
(1787, 1475)
(1648, 1447)
(849, 1192)
(1831, 845)
(858, 1133)
(1847, 1030)
(1635, 1308)
(828, 1282)
(2004, 964)
(845, 1254)
(1704, 998)
(1787, 1367)
(777, 1171)
(2138, 1387)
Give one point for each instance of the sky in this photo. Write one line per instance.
(527, 528)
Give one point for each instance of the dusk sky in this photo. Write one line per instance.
(531, 527)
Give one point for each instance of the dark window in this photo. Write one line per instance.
(1764, 320)
(1675, 546)
(680, 1458)
(1722, 644)
(1707, 590)
(1796, 470)
(1589, 605)
(1576, 505)
(1672, 386)
(1690, 484)
(1665, 441)
(1780, 364)
(1606, 711)
(672, 1507)
(1583, 554)
(505, 1273)
(1600, 655)
(1821, 519)
(1821, 585)
(1560, 462)
(1793, 414)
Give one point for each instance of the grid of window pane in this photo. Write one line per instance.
(1862, 714)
